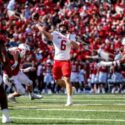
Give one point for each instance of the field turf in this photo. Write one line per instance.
(105, 109)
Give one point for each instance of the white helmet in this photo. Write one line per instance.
(23, 49)
(123, 41)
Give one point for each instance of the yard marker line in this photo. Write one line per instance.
(68, 119)
(62, 105)
(84, 96)
(82, 100)
(101, 96)
(70, 110)
(117, 104)
(76, 110)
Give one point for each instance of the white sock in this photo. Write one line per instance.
(5, 116)
(69, 99)
(5, 113)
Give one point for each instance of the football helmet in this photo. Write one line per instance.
(23, 49)
(63, 28)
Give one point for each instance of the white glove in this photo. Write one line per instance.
(103, 63)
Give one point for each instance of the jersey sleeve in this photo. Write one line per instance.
(54, 34)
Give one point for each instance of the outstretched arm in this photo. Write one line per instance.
(104, 63)
(110, 63)
(42, 29)
(25, 70)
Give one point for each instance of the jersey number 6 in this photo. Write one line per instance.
(63, 45)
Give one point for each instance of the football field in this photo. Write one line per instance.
(105, 109)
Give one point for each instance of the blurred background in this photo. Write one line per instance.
(96, 24)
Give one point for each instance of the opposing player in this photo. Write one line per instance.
(18, 76)
(5, 64)
(62, 65)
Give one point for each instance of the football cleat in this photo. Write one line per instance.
(68, 104)
(5, 120)
(35, 96)
(5, 116)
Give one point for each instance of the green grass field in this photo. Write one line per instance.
(86, 110)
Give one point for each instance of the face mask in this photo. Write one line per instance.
(63, 31)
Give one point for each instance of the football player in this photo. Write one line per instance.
(18, 77)
(62, 64)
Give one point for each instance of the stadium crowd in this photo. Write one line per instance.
(99, 26)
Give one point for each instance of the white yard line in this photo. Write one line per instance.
(62, 105)
(68, 119)
(103, 96)
(117, 104)
(86, 100)
(82, 110)
(82, 96)
(69, 110)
